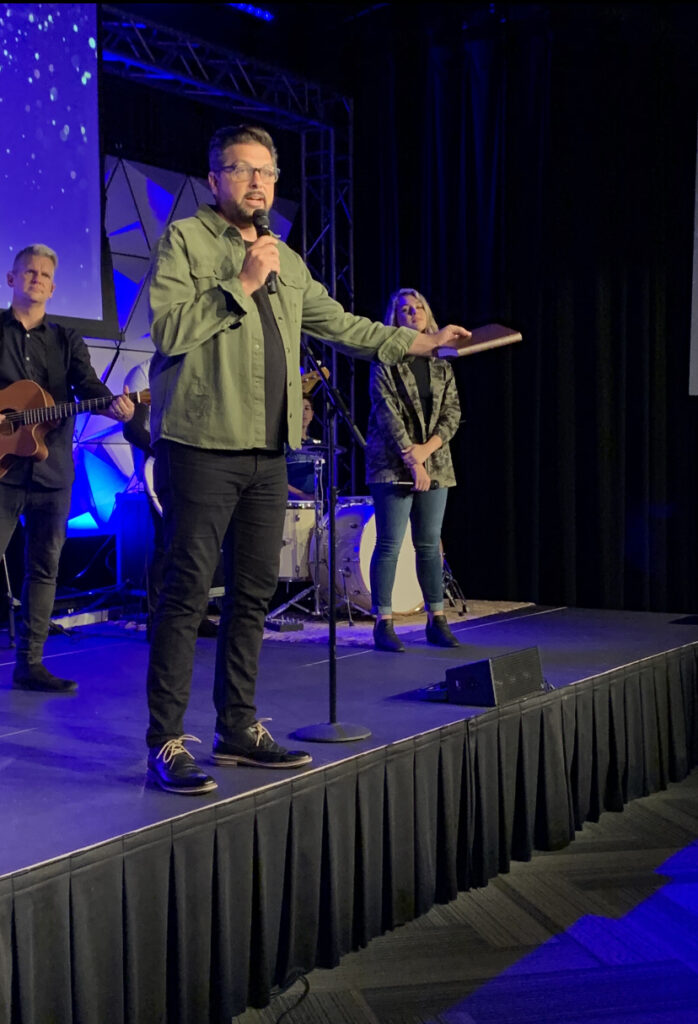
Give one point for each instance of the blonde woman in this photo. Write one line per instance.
(414, 414)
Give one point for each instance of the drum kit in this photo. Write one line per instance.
(304, 551)
(304, 554)
(304, 557)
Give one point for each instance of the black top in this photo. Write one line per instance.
(58, 360)
(420, 369)
(274, 371)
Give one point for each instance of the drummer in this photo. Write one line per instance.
(300, 463)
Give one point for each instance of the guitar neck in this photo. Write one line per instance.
(47, 413)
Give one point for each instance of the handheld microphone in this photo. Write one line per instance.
(260, 219)
(433, 486)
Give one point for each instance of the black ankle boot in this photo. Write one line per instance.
(385, 638)
(439, 634)
(37, 677)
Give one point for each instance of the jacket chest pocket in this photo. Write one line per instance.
(207, 273)
(291, 294)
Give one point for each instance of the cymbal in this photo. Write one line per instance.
(338, 450)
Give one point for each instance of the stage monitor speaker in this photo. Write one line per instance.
(496, 681)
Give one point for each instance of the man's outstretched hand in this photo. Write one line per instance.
(450, 336)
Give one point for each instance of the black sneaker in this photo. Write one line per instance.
(385, 638)
(172, 767)
(256, 746)
(38, 677)
(439, 634)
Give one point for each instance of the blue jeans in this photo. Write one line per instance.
(394, 506)
(213, 500)
(45, 515)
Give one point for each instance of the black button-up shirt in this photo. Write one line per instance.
(58, 360)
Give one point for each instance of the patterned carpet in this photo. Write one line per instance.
(603, 930)
(296, 624)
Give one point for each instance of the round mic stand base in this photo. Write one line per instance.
(332, 732)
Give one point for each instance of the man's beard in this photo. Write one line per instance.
(237, 213)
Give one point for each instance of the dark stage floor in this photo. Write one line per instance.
(74, 767)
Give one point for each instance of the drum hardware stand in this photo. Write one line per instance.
(314, 588)
(12, 603)
(347, 602)
(317, 481)
(332, 731)
(452, 591)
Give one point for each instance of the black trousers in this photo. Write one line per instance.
(213, 501)
(45, 515)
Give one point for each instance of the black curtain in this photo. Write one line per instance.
(532, 165)
(539, 171)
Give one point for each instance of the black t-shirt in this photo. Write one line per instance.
(420, 369)
(274, 372)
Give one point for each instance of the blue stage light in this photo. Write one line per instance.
(82, 524)
(256, 12)
(97, 482)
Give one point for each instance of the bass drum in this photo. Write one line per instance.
(355, 540)
(299, 525)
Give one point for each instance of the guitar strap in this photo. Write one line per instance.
(56, 361)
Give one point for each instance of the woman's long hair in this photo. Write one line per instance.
(391, 311)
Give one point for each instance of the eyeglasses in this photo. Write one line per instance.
(244, 172)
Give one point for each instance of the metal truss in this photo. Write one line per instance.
(163, 58)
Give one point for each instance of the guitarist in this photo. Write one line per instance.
(56, 358)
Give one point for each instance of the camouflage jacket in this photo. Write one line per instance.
(397, 421)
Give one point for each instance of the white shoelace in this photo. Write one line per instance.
(168, 751)
(260, 732)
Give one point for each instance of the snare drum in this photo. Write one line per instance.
(355, 540)
(354, 499)
(299, 525)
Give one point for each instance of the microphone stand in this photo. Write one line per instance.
(332, 731)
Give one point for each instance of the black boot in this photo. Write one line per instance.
(439, 634)
(173, 768)
(385, 638)
(37, 677)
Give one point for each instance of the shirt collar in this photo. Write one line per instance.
(8, 318)
(216, 224)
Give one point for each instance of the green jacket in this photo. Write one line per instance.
(207, 376)
(397, 420)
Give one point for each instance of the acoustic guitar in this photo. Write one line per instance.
(30, 413)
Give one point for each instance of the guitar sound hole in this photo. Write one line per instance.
(6, 428)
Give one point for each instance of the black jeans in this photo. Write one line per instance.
(45, 515)
(213, 500)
